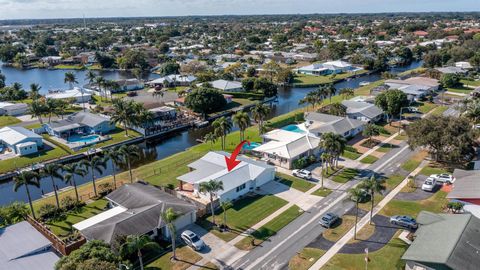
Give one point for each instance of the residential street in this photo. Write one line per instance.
(277, 251)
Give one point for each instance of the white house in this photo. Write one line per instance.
(80, 95)
(320, 123)
(174, 79)
(415, 87)
(226, 86)
(282, 147)
(245, 177)
(13, 109)
(327, 68)
(20, 140)
(363, 111)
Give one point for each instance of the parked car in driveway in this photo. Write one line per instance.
(192, 240)
(429, 184)
(404, 221)
(328, 220)
(305, 174)
(443, 178)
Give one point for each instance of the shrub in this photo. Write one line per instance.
(13, 213)
(105, 188)
(49, 211)
(69, 203)
(304, 162)
(455, 207)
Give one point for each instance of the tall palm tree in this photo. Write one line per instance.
(26, 179)
(334, 144)
(70, 78)
(356, 195)
(100, 82)
(259, 114)
(222, 127)
(135, 243)
(37, 109)
(330, 90)
(210, 137)
(35, 91)
(325, 157)
(117, 159)
(94, 164)
(211, 187)
(70, 170)
(129, 153)
(51, 170)
(124, 113)
(51, 107)
(225, 206)
(242, 121)
(373, 185)
(168, 217)
(91, 76)
(323, 91)
(347, 92)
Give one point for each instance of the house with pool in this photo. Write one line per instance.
(80, 129)
(282, 147)
(320, 123)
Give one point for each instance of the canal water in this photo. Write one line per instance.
(154, 149)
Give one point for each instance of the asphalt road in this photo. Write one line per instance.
(276, 252)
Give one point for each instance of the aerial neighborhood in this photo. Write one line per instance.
(309, 141)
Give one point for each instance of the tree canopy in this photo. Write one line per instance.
(205, 100)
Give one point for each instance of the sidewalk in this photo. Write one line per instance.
(376, 147)
(364, 221)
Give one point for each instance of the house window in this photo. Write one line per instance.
(241, 187)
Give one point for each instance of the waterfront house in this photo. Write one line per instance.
(79, 124)
(363, 111)
(444, 241)
(173, 80)
(135, 209)
(328, 68)
(452, 70)
(245, 177)
(13, 109)
(320, 123)
(125, 85)
(415, 87)
(283, 147)
(20, 140)
(23, 247)
(78, 95)
(225, 86)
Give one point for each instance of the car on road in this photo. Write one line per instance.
(429, 184)
(305, 174)
(192, 240)
(443, 178)
(328, 220)
(404, 221)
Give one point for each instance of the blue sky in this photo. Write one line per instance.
(14, 9)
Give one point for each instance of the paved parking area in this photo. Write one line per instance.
(418, 194)
(291, 195)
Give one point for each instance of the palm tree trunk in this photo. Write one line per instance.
(322, 173)
(130, 169)
(372, 199)
(356, 218)
(140, 259)
(225, 218)
(30, 202)
(76, 191)
(94, 185)
(211, 208)
(174, 248)
(55, 191)
(114, 178)
(126, 130)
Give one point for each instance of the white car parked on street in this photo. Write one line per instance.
(429, 184)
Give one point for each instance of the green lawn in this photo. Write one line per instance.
(305, 258)
(340, 228)
(244, 214)
(294, 182)
(392, 181)
(6, 120)
(410, 165)
(305, 80)
(186, 258)
(63, 228)
(270, 229)
(462, 90)
(386, 147)
(428, 170)
(425, 107)
(322, 192)
(351, 155)
(469, 82)
(33, 126)
(439, 110)
(345, 175)
(24, 161)
(369, 159)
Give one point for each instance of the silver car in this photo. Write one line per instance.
(192, 240)
(302, 174)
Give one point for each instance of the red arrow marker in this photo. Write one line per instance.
(232, 161)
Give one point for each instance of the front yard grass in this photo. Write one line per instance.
(439, 110)
(244, 214)
(351, 155)
(305, 258)
(369, 159)
(322, 192)
(186, 257)
(63, 228)
(342, 226)
(294, 182)
(11, 164)
(386, 147)
(425, 107)
(430, 169)
(269, 229)
(461, 90)
(345, 175)
(6, 120)
(414, 161)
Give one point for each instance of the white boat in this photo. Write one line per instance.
(364, 83)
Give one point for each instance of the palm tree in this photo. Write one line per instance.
(100, 82)
(211, 187)
(37, 109)
(347, 92)
(370, 130)
(325, 157)
(168, 217)
(128, 153)
(472, 112)
(91, 76)
(330, 90)
(51, 170)
(356, 195)
(95, 164)
(70, 79)
(225, 206)
(35, 91)
(334, 144)
(70, 170)
(373, 185)
(314, 97)
(51, 107)
(259, 113)
(222, 127)
(135, 243)
(117, 158)
(124, 113)
(26, 179)
(210, 137)
(242, 120)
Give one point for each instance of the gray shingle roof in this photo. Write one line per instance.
(77, 120)
(324, 123)
(366, 109)
(467, 185)
(449, 239)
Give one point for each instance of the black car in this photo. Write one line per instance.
(328, 220)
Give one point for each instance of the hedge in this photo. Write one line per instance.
(246, 95)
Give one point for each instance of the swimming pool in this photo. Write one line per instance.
(83, 139)
(293, 128)
(251, 146)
